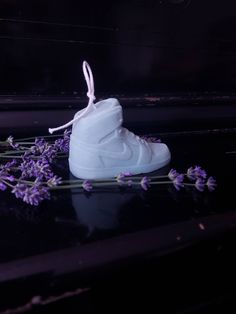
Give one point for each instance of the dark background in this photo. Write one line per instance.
(134, 47)
(181, 51)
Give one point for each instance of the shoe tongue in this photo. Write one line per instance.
(107, 104)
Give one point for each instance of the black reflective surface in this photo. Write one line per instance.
(131, 45)
(73, 218)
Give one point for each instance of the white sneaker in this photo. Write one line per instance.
(101, 148)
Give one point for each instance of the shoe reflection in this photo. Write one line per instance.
(105, 209)
(99, 210)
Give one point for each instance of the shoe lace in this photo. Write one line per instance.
(139, 139)
(90, 83)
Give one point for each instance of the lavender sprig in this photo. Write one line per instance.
(34, 177)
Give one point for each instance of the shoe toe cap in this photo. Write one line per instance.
(160, 152)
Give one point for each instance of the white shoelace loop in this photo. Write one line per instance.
(90, 84)
(89, 80)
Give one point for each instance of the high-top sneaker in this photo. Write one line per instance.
(101, 148)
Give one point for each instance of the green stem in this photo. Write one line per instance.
(24, 181)
(34, 137)
(103, 184)
(72, 181)
(13, 152)
(162, 182)
(7, 183)
(72, 186)
(115, 180)
(64, 187)
(191, 184)
(92, 181)
(150, 177)
(33, 157)
(24, 143)
(9, 156)
(14, 169)
(24, 147)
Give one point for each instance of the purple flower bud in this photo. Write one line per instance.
(173, 174)
(10, 141)
(211, 184)
(54, 181)
(63, 144)
(191, 173)
(4, 173)
(87, 186)
(19, 190)
(200, 173)
(200, 184)
(39, 147)
(27, 155)
(49, 153)
(35, 194)
(178, 182)
(196, 172)
(2, 186)
(145, 183)
(7, 166)
(31, 195)
(120, 178)
(42, 168)
(10, 178)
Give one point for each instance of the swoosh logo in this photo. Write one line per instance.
(124, 154)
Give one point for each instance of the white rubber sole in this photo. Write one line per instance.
(105, 173)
